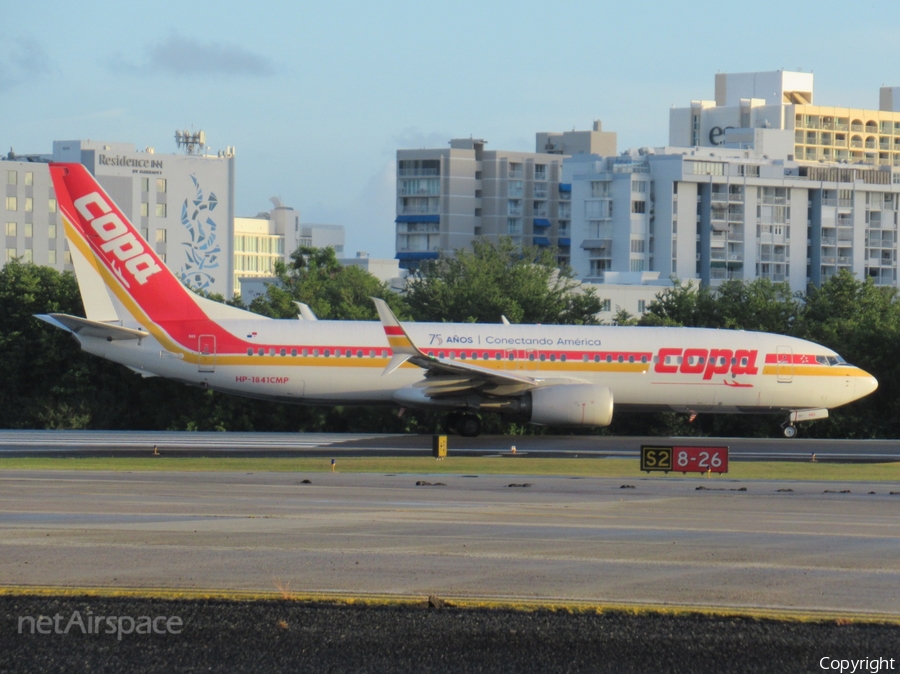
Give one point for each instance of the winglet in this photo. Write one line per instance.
(306, 314)
(402, 345)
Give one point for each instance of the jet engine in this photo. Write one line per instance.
(569, 405)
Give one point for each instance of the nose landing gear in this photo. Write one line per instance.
(790, 431)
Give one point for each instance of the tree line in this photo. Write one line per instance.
(46, 381)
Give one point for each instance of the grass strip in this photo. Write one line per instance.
(466, 603)
(506, 465)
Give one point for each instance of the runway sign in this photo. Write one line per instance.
(684, 459)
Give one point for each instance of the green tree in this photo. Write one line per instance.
(756, 305)
(860, 321)
(500, 279)
(332, 291)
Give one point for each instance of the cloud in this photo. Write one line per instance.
(411, 138)
(22, 59)
(187, 57)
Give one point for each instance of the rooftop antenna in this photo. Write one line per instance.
(191, 142)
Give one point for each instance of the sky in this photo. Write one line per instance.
(318, 97)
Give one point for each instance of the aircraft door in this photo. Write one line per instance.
(784, 364)
(206, 348)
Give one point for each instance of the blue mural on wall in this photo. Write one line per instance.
(203, 249)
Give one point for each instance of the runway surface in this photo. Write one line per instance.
(787, 545)
(130, 443)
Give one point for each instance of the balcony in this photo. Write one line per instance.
(417, 173)
(417, 210)
(598, 245)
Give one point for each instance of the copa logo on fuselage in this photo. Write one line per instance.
(116, 237)
(708, 362)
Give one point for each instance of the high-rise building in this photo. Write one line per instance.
(448, 197)
(183, 205)
(760, 183)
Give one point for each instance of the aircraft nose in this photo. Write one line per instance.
(865, 385)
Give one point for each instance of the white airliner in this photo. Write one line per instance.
(140, 315)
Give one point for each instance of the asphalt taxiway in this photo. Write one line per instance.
(131, 443)
(797, 546)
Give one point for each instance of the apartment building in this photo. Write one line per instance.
(448, 197)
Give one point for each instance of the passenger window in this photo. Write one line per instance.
(284, 352)
(250, 352)
(293, 352)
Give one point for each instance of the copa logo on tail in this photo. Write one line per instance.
(116, 238)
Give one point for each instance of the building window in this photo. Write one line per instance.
(12, 204)
(29, 178)
(639, 186)
(12, 178)
(606, 305)
(160, 210)
(642, 306)
(29, 204)
(637, 265)
(67, 257)
(599, 189)
(160, 236)
(540, 171)
(51, 205)
(10, 229)
(10, 254)
(145, 209)
(161, 185)
(638, 206)
(29, 230)
(712, 168)
(51, 257)
(145, 184)
(51, 232)
(28, 256)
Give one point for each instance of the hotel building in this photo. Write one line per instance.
(760, 183)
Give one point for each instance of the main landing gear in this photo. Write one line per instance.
(790, 431)
(466, 424)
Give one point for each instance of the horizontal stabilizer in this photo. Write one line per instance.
(87, 328)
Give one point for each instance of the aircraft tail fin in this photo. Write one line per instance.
(117, 269)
